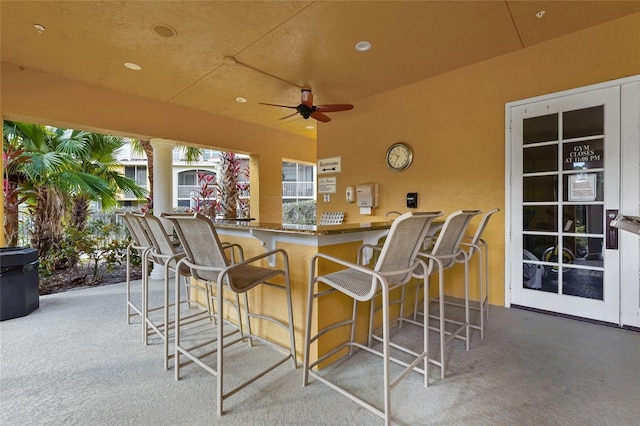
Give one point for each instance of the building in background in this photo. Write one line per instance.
(298, 180)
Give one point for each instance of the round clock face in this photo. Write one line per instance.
(399, 156)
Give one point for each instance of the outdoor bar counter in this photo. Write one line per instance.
(301, 242)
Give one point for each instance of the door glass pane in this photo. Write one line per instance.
(553, 254)
(585, 283)
(535, 246)
(540, 218)
(535, 275)
(540, 129)
(583, 122)
(587, 219)
(540, 159)
(540, 188)
(532, 274)
(556, 256)
(583, 155)
(583, 187)
(587, 250)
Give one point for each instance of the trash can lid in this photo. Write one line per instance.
(17, 256)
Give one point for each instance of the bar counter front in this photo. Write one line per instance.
(301, 242)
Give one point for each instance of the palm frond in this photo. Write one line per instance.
(73, 142)
(137, 147)
(74, 181)
(192, 154)
(123, 183)
(42, 165)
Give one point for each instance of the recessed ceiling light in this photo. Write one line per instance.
(363, 46)
(164, 30)
(241, 99)
(540, 14)
(310, 127)
(39, 28)
(132, 66)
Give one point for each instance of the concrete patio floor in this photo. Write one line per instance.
(76, 361)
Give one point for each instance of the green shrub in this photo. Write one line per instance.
(299, 213)
(103, 241)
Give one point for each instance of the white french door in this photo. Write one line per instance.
(565, 183)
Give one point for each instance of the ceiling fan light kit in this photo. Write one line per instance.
(307, 109)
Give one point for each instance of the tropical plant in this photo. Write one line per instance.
(243, 200)
(98, 246)
(206, 196)
(53, 166)
(230, 169)
(143, 146)
(12, 159)
(99, 160)
(46, 171)
(102, 243)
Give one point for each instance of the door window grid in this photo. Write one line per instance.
(575, 144)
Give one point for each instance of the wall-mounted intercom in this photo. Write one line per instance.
(412, 200)
(350, 194)
(367, 197)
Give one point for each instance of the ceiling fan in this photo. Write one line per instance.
(307, 109)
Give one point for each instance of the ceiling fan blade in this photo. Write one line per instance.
(307, 98)
(290, 115)
(334, 107)
(320, 116)
(283, 106)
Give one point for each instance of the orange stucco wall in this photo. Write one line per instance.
(455, 126)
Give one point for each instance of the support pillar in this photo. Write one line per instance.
(162, 187)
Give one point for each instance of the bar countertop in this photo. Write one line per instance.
(302, 229)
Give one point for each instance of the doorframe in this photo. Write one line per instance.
(629, 195)
(630, 200)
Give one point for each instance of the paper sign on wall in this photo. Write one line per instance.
(327, 185)
(582, 187)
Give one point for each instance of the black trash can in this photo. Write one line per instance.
(19, 295)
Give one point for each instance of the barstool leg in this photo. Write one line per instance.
(441, 319)
(466, 302)
(307, 335)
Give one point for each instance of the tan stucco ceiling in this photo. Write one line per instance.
(298, 43)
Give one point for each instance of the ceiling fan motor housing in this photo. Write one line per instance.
(305, 111)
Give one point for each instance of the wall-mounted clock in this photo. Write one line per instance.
(399, 156)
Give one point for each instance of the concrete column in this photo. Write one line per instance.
(162, 186)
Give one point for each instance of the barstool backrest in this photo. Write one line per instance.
(161, 241)
(477, 237)
(201, 244)
(140, 238)
(403, 243)
(448, 242)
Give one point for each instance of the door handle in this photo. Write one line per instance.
(612, 232)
